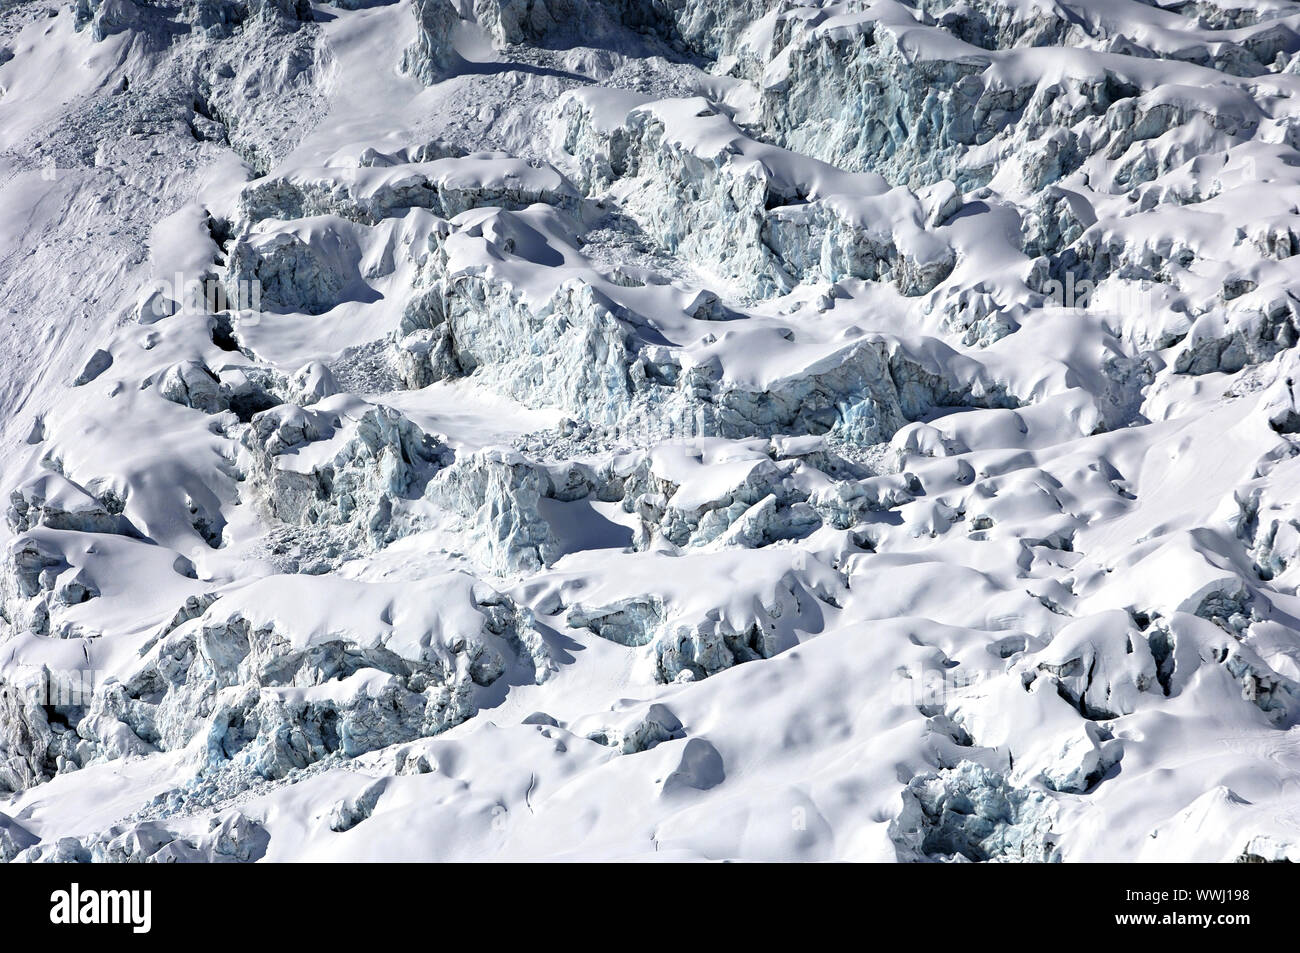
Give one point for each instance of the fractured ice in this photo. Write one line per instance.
(606, 429)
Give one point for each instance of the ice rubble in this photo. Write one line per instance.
(753, 430)
(971, 813)
(613, 369)
(358, 478)
(258, 681)
(230, 839)
(700, 188)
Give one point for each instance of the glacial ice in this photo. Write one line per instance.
(759, 430)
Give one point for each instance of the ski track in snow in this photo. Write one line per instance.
(679, 431)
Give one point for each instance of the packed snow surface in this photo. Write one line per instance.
(635, 429)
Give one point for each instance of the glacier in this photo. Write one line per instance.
(770, 430)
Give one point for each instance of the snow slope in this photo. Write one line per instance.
(613, 429)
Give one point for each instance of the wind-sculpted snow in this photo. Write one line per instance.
(599, 429)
